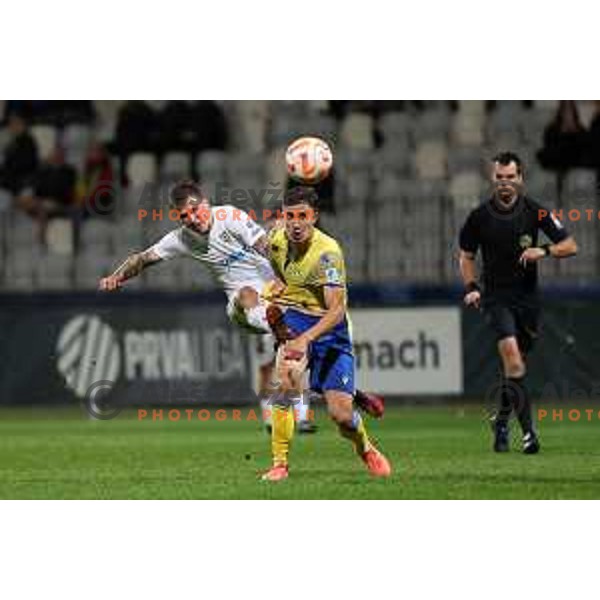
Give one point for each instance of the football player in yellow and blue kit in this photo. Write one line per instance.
(311, 309)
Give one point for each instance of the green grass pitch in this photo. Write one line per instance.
(436, 453)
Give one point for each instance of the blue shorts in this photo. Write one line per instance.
(330, 358)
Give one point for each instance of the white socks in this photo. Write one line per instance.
(301, 407)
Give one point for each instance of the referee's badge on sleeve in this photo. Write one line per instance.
(525, 241)
(332, 275)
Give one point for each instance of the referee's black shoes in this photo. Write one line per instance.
(500, 437)
(531, 444)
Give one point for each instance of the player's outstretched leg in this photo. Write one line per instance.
(352, 427)
(372, 404)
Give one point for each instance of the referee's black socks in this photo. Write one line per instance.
(515, 395)
(505, 405)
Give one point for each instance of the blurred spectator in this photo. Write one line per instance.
(176, 127)
(491, 105)
(209, 126)
(137, 128)
(20, 156)
(594, 139)
(96, 185)
(192, 126)
(137, 131)
(52, 193)
(53, 112)
(23, 108)
(66, 112)
(340, 108)
(565, 140)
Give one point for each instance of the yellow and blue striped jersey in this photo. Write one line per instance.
(305, 276)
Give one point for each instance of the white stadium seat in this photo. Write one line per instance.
(90, 267)
(432, 124)
(212, 164)
(357, 131)
(465, 158)
(45, 137)
(276, 170)
(60, 237)
(141, 168)
(467, 129)
(98, 234)
(252, 117)
(465, 189)
(473, 108)
(176, 165)
(393, 159)
(396, 127)
(389, 188)
(355, 187)
(54, 272)
(431, 160)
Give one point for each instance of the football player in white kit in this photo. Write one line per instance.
(234, 248)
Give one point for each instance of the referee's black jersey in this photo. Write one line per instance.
(502, 237)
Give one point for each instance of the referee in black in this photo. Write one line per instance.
(505, 228)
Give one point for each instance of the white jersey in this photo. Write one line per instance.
(226, 250)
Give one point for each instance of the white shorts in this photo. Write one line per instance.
(254, 321)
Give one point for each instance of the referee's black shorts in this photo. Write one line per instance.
(513, 316)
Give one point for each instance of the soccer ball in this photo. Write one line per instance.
(309, 160)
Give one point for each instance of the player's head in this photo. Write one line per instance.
(16, 123)
(300, 213)
(507, 177)
(187, 197)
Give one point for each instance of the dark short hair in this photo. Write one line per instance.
(182, 190)
(505, 158)
(301, 194)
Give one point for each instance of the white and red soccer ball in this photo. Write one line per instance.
(309, 160)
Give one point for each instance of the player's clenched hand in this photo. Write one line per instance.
(297, 348)
(531, 255)
(110, 283)
(473, 299)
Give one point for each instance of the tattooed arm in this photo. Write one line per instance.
(131, 267)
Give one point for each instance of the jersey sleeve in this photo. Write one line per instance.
(246, 228)
(469, 239)
(331, 270)
(552, 227)
(274, 252)
(169, 246)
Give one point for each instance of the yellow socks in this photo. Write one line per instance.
(357, 434)
(283, 431)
